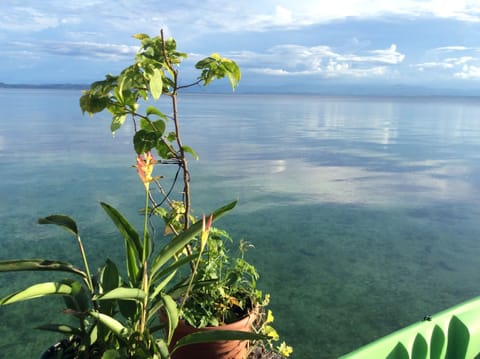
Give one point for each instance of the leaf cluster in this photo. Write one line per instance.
(225, 284)
(110, 309)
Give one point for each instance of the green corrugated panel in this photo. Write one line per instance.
(451, 334)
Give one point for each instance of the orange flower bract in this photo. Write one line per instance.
(144, 166)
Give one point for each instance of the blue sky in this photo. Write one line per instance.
(282, 45)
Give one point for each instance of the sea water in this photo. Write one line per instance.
(363, 210)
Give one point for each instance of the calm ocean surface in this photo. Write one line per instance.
(364, 211)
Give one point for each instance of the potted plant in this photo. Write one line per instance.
(98, 301)
(118, 316)
(221, 288)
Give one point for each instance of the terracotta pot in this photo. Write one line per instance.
(229, 349)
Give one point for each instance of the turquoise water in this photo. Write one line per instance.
(363, 211)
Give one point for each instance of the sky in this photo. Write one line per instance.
(281, 45)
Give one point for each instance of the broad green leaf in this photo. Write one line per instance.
(128, 308)
(117, 122)
(420, 347)
(162, 348)
(188, 149)
(78, 300)
(437, 343)
(180, 241)
(458, 339)
(39, 265)
(37, 291)
(174, 266)
(153, 126)
(141, 36)
(93, 103)
(163, 149)
(216, 335)
(62, 221)
(118, 92)
(399, 352)
(233, 72)
(170, 308)
(111, 354)
(172, 136)
(152, 110)
(144, 141)
(109, 277)
(61, 328)
(124, 294)
(116, 327)
(156, 84)
(133, 246)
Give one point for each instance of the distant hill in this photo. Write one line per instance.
(45, 86)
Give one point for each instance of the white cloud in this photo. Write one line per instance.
(25, 19)
(83, 50)
(270, 14)
(285, 60)
(220, 15)
(462, 62)
(468, 72)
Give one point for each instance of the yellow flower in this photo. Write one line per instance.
(144, 166)
(285, 350)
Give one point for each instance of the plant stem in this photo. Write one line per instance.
(145, 227)
(85, 264)
(145, 284)
(181, 152)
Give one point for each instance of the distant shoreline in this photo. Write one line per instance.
(45, 86)
(339, 91)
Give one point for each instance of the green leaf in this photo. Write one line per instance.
(78, 300)
(233, 73)
(144, 141)
(117, 122)
(133, 246)
(173, 268)
(62, 221)
(216, 335)
(128, 308)
(124, 294)
(117, 328)
(216, 67)
(458, 339)
(156, 84)
(153, 126)
(420, 348)
(111, 354)
(188, 149)
(180, 241)
(109, 278)
(141, 36)
(92, 103)
(171, 310)
(39, 265)
(61, 328)
(162, 348)
(152, 110)
(437, 343)
(399, 352)
(37, 291)
(164, 150)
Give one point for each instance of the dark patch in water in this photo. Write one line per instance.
(306, 253)
(445, 266)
